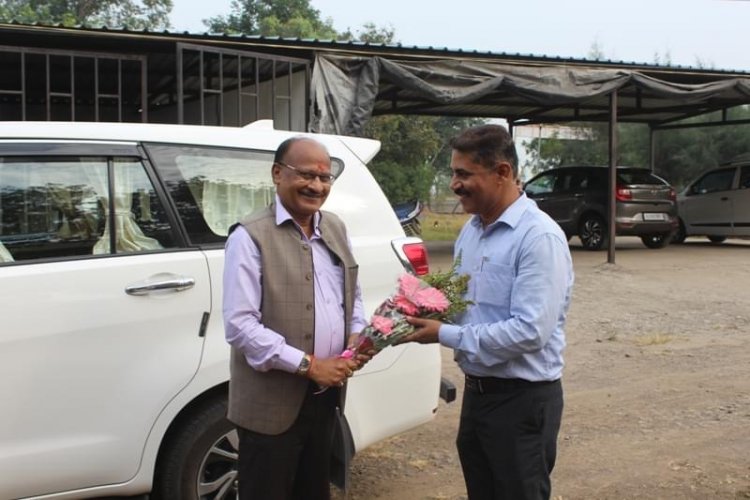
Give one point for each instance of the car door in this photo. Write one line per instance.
(706, 208)
(544, 189)
(101, 315)
(741, 203)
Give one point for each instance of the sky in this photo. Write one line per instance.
(697, 33)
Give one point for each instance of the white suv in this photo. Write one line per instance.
(112, 349)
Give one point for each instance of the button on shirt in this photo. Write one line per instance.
(263, 348)
(521, 281)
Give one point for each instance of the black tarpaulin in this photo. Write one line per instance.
(348, 90)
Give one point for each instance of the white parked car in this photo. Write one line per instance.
(114, 363)
(717, 204)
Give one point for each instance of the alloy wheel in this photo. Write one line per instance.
(217, 477)
(592, 232)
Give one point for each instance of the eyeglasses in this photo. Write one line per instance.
(309, 176)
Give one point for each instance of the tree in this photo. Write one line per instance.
(403, 168)
(681, 155)
(144, 14)
(587, 145)
(370, 33)
(285, 18)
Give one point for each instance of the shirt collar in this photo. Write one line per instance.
(510, 216)
(282, 215)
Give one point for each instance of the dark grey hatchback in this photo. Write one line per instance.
(576, 197)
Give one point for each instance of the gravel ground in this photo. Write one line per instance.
(657, 385)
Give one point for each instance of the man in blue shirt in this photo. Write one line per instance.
(509, 344)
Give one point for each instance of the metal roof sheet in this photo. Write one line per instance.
(398, 48)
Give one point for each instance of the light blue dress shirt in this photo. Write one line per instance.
(263, 348)
(521, 282)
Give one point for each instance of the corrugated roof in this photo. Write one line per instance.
(398, 48)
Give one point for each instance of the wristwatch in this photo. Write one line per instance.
(304, 365)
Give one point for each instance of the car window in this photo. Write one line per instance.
(597, 179)
(57, 207)
(745, 177)
(213, 188)
(712, 182)
(572, 181)
(581, 181)
(638, 177)
(544, 183)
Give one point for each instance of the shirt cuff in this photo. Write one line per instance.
(449, 335)
(289, 359)
(358, 326)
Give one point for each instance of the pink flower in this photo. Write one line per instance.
(382, 324)
(405, 305)
(431, 299)
(409, 285)
(347, 354)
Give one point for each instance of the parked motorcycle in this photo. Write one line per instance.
(408, 215)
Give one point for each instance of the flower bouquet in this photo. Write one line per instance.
(437, 296)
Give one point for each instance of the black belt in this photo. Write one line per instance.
(488, 385)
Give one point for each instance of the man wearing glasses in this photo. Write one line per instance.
(291, 300)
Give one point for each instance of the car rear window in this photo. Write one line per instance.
(638, 176)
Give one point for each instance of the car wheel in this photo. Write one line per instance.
(680, 234)
(717, 239)
(593, 232)
(199, 459)
(658, 240)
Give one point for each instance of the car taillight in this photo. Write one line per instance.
(623, 194)
(416, 253)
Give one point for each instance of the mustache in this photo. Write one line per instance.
(311, 193)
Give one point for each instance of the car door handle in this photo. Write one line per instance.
(160, 283)
(724, 198)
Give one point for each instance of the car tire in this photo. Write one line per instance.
(680, 235)
(717, 239)
(656, 240)
(592, 230)
(199, 458)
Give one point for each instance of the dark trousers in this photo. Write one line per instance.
(294, 465)
(507, 438)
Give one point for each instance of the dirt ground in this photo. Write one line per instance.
(657, 385)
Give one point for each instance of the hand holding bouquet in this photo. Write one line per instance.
(438, 296)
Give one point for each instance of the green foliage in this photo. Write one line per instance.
(453, 286)
(415, 156)
(370, 33)
(286, 18)
(681, 155)
(145, 14)
(441, 226)
(403, 168)
(587, 147)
